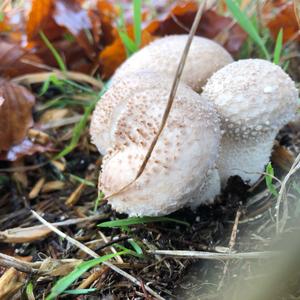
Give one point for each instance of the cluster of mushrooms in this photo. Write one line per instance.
(223, 122)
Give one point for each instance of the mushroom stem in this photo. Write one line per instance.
(254, 155)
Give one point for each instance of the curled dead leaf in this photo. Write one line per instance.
(113, 55)
(282, 14)
(15, 113)
(212, 25)
(16, 60)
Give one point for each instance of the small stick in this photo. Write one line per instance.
(112, 249)
(22, 266)
(26, 234)
(214, 255)
(95, 255)
(280, 223)
(231, 245)
(92, 278)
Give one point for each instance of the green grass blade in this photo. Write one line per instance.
(246, 24)
(137, 22)
(62, 284)
(82, 180)
(135, 246)
(269, 179)
(128, 42)
(80, 291)
(98, 200)
(78, 129)
(29, 290)
(140, 220)
(278, 47)
(54, 52)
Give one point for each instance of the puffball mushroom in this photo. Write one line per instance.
(254, 99)
(163, 55)
(124, 123)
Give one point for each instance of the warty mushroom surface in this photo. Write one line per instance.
(124, 124)
(163, 55)
(254, 99)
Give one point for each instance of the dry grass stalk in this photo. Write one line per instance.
(34, 233)
(231, 245)
(282, 197)
(112, 249)
(214, 255)
(43, 76)
(95, 255)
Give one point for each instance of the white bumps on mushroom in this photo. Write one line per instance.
(163, 55)
(124, 123)
(254, 99)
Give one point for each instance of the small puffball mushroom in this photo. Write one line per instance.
(163, 55)
(254, 99)
(124, 124)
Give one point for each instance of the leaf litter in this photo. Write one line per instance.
(87, 41)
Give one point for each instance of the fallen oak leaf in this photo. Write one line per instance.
(40, 14)
(113, 55)
(282, 14)
(15, 113)
(13, 57)
(212, 25)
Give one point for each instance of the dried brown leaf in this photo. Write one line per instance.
(113, 55)
(15, 60)
(39, 16)
(282, 14)
(15, 113)
(212, 25)
(10, 283)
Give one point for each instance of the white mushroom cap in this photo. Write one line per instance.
(163, 55)
(182, 159)
(254, 99)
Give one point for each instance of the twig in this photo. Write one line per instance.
(213, 255)
(25, 234)
(23, 266)
(95, 255)
(170, 99)
(231, 245)
(112, 249)
(280, 223)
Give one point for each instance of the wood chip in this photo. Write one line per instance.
(74, 197)
(38, 136)
(36, 189)
(53, 186)
(10, 283)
